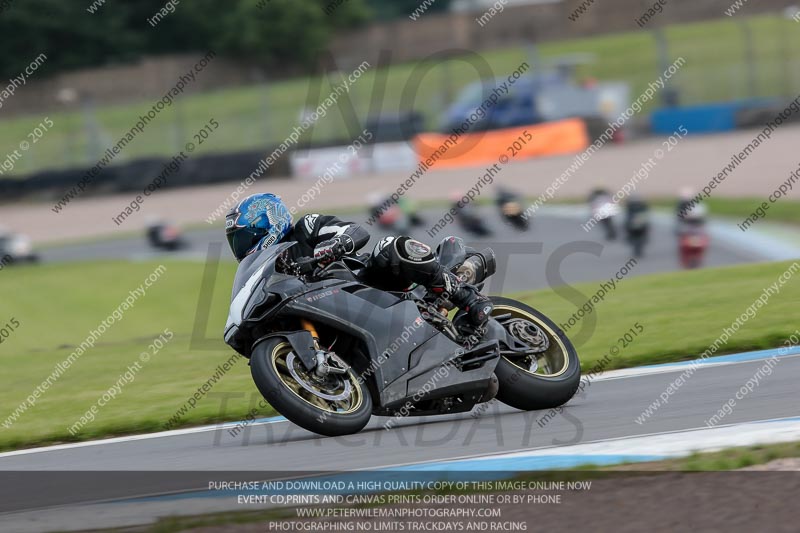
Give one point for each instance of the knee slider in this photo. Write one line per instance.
(413, 251)
(416, 260)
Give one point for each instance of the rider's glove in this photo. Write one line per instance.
(333, 249)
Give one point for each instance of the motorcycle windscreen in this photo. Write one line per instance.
(255, 261)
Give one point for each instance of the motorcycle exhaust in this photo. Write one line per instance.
(491, 392)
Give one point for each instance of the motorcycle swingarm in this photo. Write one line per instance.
(302, 344)
(476, 356)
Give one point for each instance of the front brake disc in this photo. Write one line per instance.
(529, 333)
(345, 394)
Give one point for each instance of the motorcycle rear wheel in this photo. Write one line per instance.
(557, 373)
(336, 405)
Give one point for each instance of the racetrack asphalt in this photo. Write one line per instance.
(608, 409)
(698, 159)
(276, 449)
(556, 250)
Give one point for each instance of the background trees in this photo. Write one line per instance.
(282, 32)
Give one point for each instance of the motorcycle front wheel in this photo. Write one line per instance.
(544, 381)
(333, 405)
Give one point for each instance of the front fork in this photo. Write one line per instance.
(309, 327)
(323, 368)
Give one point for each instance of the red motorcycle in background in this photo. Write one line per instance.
(693, 238)
(165, 235)
(692, 245)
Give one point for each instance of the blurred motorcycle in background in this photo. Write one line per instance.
(603, 209)
(637, 224)
(693, 238)
(15, 248)
(388, 214)
(165, 235)
(411, 211)
(512, 209)
(692, 247)
(471, 220)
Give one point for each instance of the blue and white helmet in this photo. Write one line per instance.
(259, 221)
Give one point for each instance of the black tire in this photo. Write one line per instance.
(300, 411)
(611, 230)
(638, 247)
(527, 391)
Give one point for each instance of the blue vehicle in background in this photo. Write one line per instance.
(550, 95)
(517, 108)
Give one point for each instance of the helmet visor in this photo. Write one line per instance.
(241, 240)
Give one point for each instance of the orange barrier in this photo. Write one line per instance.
(485, 147)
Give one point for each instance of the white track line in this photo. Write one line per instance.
(674, 443)
(670, 367)
(130, 438)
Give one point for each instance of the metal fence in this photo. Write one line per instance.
(733, 58)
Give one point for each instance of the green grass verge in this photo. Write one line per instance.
(736, 209)
(253, 117)
(174, 524)
(729, 459)
(682, 313)
(57, 306)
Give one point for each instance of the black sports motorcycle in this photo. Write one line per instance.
(328, 351)
(165, 236)
(471, 220)
(637, 225)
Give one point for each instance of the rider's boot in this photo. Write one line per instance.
(478, 308)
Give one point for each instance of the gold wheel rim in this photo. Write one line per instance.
(278, 361)
(556, 351)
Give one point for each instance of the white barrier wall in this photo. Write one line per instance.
(342, 162)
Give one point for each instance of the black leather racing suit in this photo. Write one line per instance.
(395, 263)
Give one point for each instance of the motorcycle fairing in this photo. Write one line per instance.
(404, 350)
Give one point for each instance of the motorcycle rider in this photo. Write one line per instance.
(637, 223)
(690, 214)
(603, 209)
(468, 217)
(511, 208)
(261, 220)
